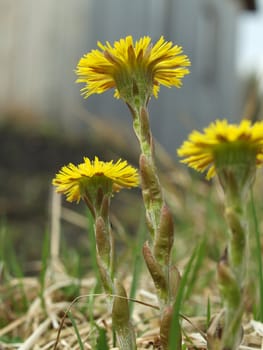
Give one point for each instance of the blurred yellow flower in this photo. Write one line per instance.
(222, 142)
(74, 181)
(130, 68)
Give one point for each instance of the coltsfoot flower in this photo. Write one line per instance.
(232, 152)
(132, 68)
(75, 180)
(223, 144)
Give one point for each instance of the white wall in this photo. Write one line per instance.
(42, 41)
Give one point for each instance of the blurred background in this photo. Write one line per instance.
(45, 123)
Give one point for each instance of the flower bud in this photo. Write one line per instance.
(150, 183)
(121, 319)
(174, 282)
(164, 238)
(156, 272)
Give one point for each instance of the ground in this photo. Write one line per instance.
(39, 282)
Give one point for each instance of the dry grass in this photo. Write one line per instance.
(50, 328)
(33, 314)
(44, 324)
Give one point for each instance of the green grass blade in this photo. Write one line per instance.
(2, 240)
(81, 345)
(200, 254)
(5, 246)
(102, 343)
(138, 262)
(90, 306)
(18, 272)
(258, 256)
(44, 265)
(175, 335)
(10, 263)
(208, 313)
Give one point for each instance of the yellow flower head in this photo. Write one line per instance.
(76, 180)
(131, 68)
(223, 144)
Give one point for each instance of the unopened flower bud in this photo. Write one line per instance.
(156, 272)
(121, 319)
(164, 238)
